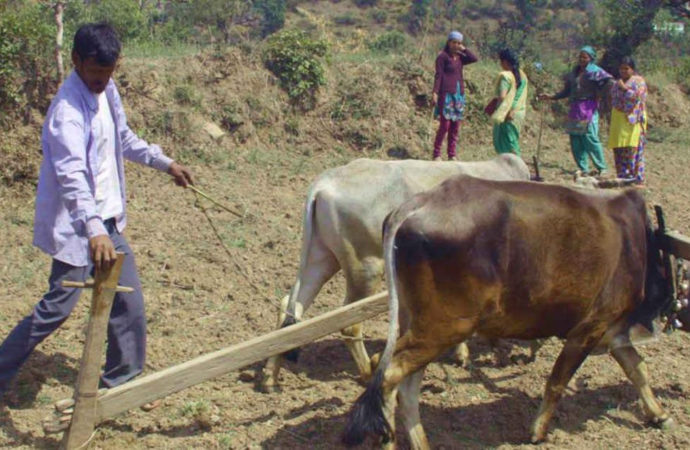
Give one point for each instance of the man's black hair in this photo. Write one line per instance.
(98, 41)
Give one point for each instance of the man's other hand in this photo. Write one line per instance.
(182, 175)
(102, 252)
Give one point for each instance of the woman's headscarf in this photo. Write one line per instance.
(455, 36)
(593, 72)
(590, 51)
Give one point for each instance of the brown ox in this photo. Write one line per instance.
(512, 260)
(343, 218)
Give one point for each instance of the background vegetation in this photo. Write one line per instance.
(349, 61)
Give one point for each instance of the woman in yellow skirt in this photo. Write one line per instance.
(627, 133)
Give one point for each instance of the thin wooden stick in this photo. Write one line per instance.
(90, 283)
(230, 210)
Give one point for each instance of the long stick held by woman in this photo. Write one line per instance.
(583, 87)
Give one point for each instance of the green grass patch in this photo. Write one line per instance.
(158, 50)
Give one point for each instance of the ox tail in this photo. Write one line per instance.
(367, 415)
(307, 233)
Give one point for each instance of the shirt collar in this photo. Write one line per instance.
(76, 82)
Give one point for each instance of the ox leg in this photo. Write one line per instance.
(405, 373)
(574, 352)
(462, 354)
(362, 282)
(534, 346)
(321, 265)
(408, 396)
(636, 370)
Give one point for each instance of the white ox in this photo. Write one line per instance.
(342, 230)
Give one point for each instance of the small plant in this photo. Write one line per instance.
(379, 15)
(363, 3)
(295, 58)
(347, 19)
(231, 117)
(390, 41)
(186, 95)
(191, 409)
(292, 126)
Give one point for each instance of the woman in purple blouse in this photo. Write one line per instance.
(449, 92)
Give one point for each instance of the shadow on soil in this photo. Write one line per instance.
(478, 426)
(312, 357)
(39, 367)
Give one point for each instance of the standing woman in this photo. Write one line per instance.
(582, 87)
(511, 94)
(627, 134)
(449, 92)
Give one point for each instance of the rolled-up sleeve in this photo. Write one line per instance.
(134, 148)
(467, 57)
(65, 139)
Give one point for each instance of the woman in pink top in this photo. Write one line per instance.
(449, 92)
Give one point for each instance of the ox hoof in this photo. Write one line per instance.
(666, 424)
(266, 384)
(268, 388)
(537, 439)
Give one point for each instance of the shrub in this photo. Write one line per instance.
(125, 16)
(388, 42)
(419, 10)
(27, 67)
(295, 58)
(363, 3)
(273, 15)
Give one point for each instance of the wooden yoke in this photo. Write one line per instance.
(86, 392)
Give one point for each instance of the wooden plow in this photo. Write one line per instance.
(89, 407)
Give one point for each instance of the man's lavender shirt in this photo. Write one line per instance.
(66, 215)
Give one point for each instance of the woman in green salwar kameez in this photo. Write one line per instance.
(511, 93)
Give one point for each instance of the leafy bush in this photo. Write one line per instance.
(125, 16)
(419, 10)
(295, 58)
(388, 42)
(273, 15)
(27, 67)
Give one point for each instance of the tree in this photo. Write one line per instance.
(217, 14)
(59, 8)
(636, 29)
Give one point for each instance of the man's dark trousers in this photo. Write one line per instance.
(126, 348)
